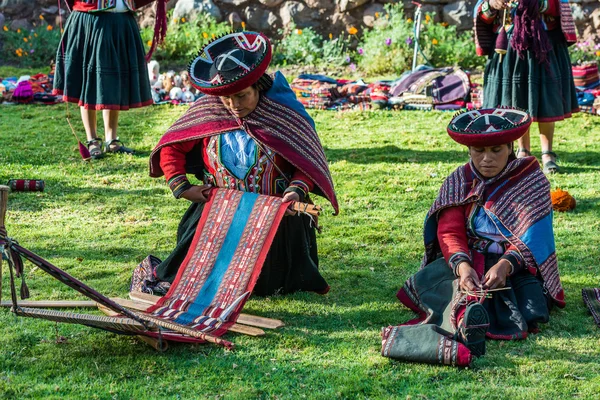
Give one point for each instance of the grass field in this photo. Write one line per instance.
(98, 220)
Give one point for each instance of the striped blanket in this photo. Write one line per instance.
(591, 298)
(224, 261)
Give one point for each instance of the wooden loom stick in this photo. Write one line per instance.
(237, 328)
(158, 345)
(311, 209)
(3, 206)
(53, 303)
(246, 319)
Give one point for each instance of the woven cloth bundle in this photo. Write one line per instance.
(586, 76)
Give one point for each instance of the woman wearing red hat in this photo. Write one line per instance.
(489, 268)
(248, 133)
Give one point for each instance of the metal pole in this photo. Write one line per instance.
(417, 32)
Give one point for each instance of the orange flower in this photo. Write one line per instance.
(25, 39)
(376, 15)
(149, 43)
(299, 31)
(49, 27)
(427, 17)
(243, 25)
(205, 35)
(598, 53)
(35, 34)
(19, 30)
(41, 17)
(434, 41)
(5, 28)
(19, 52)
(182, 19)
(352, 30)
(444, 24)
(330, 36)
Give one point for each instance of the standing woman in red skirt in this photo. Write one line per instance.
(535, 73)
(100, 65)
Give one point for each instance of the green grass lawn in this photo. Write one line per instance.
(98, 220)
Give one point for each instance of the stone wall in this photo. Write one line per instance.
(327, 16)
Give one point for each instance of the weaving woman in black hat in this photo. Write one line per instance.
(248, 133)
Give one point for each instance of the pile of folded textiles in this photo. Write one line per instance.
(587, 82)
(28, 89)
(423, 89)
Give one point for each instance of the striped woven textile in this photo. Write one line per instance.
(224, 261)
(586, 76)
(591, 298)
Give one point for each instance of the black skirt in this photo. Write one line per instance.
(290, 266)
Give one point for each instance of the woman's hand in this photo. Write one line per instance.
(496, 276)
(468, 277)
(197, 193)
(498, 4)
(290, 196)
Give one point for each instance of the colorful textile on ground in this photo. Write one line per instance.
(586, 76)
(489, 127)
(40, 88)
(591, 298)
(224, 261)
(518, 201)
(279, 122)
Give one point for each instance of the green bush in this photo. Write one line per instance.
(184, 38)
(388, 47)
(305, 46)
(29, 49)
(584, 51)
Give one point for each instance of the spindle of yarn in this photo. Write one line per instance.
(502, 39)
(26, 185)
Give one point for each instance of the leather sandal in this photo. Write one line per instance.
(95, 148)
(550, 167)
(473, 328)
(519, 151)
(116, 146)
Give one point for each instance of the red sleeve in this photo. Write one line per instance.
(299, 179)
(452, 235)
(550, 7)
(172, 158)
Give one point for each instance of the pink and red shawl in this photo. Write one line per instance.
(519, 203)
(279, 122)
(224, 261)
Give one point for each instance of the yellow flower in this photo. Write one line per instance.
(376, 15)
(5, 28)
(330, 36)
(149, 43)
(205, 35)
(18, 30)
(35, 34)
(299, 31)
(49, 27)
(25, 39)
(243, 25)
(41, 17)
(214, 36)
(352, 30)
(182, 19)
(187, 34)
(598, 53)
(409, 20)
(427, 17)
(434, 41)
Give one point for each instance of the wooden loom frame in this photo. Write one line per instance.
(124, 316)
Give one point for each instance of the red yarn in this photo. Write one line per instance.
(160, 27)
(528, 33)
(85, 153)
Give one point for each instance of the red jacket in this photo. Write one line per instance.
(99, 5)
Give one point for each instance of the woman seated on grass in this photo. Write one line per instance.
(489, 267)
(248, 133)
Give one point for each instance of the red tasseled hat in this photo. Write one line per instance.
(489, 127)
(231, 63)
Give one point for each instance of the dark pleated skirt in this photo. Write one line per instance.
(290, 266)
(100, 62)
(547, 92)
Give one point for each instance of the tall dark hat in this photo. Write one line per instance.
(489, 127)
(231, 63)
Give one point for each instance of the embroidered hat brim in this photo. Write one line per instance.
(231, 63)
(489, 127)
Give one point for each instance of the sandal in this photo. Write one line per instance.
(473, 328)
(116, 146)
(527, 152)
(95, 148)
(550, 167)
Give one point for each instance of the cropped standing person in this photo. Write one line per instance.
(535, 73)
